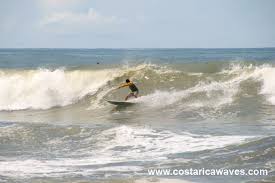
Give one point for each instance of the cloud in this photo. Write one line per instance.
(79, 18)
(55, 3)
(68, 22)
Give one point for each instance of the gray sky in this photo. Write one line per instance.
(137, 23)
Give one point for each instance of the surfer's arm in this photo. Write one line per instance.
(123, 85)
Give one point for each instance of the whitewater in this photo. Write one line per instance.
(44, 88)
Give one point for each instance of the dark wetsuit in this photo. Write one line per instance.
(133, 87)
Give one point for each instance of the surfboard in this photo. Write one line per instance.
(121, 103)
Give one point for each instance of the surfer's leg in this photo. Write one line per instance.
(136, 94)
(130, 95)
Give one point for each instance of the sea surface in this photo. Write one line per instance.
(198, 108)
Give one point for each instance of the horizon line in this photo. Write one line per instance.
(139, 48)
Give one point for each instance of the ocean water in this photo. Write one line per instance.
(198, 108)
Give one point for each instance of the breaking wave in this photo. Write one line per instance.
(160, 85)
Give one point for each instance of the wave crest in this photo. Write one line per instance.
(160, 86)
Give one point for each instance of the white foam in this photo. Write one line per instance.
(119, 145)
(227, 89)
(146, 143)
(44, 88)
(218, 93)
(266, 74)
(23, 168)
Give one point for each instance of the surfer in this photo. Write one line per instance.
(132, 87)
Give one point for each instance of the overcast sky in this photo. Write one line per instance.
(137, 23)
